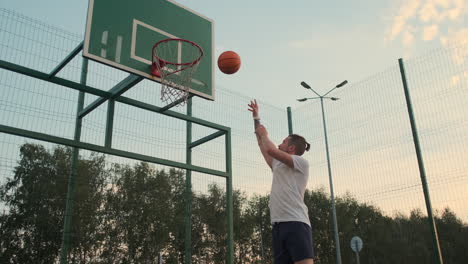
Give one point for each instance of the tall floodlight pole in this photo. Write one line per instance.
(332, 195)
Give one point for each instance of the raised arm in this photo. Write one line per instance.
(253, 107)
(271, 150)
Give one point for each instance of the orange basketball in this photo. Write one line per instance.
(229, 62)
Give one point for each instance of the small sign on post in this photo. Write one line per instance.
(356, 246)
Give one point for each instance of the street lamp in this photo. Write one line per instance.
(321, 97)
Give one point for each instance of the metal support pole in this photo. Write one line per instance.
(66, 240)
(332, 195)
(67, 60)
(357, 258)
(188, 190)
(229, 200)
(206, 139)
(115, 92)
(109, 123)
(290, 128)
(422, 171)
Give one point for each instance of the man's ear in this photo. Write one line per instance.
(292, 149)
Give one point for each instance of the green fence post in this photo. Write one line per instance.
(422, 171)
(66, 240)
(290, 128)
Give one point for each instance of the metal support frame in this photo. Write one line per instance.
(206, 139)
(94, 91)
(109, 123)
(66, 240)
(66, 60)
(229, 199)
(116, 91)
(115, 95)
(188, 190)
(110, 151)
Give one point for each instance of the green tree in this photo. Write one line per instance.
(376, 230)
(175, 250)
(141, 205)
(209, 227)
(131, 214)
(257, 219)
(35, 198)
(453, 234)
(211, 216)
(318, 205)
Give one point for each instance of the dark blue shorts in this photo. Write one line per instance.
(292, 241)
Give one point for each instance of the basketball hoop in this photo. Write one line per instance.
(174, 68)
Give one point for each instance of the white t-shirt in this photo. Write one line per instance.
(287, 191)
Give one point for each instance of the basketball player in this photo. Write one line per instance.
(292, 233)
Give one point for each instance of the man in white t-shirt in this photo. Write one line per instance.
(292, 233)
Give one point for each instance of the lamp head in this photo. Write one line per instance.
(334, 98)
(302, 99)
(305, 85)
(342, 84)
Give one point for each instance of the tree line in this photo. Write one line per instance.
(133, 213)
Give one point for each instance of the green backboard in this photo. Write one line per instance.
(121, 34)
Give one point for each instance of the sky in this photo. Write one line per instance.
(319, 42)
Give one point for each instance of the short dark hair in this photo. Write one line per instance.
(300, 143)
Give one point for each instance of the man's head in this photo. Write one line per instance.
(294, 144)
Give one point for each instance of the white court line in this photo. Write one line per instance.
(133, 55)
(134, 35)
(118, 49)
(105, 34)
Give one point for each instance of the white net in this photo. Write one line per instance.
(175, 61)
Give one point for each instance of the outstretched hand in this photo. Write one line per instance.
(253, 107)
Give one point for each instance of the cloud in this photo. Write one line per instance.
(440, 10)
(430, 32)
(455, 37)
(405, 12)
(458, 10)
(455, 80)
(429, 12)
(408, 37)
(429, 19)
